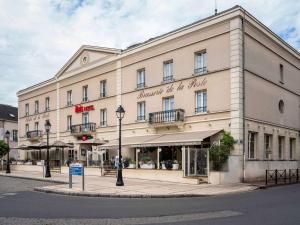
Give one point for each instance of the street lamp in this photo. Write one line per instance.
(120, 112)
(47, 128)
(7, 135)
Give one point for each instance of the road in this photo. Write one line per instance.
(273, 206)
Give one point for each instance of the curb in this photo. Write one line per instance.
(37, 179)
(86, 194)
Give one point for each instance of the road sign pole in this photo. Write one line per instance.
(70, 176)
(82, 177)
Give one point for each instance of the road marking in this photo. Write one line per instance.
(126, 221)
(9, 194)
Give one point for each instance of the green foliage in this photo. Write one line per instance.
(4, 148)
(219, 154)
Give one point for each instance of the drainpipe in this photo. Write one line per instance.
(243, 65)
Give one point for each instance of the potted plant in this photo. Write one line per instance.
(168, 164)
(146, 163)
(175, 165)
(126, 163)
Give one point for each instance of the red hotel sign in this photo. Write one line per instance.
(80, 108)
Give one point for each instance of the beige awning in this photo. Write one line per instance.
(92, 142)
(175, 139)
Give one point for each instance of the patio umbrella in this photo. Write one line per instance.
(61, 144)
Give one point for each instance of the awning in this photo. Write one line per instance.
(92, 142)
(175, 139)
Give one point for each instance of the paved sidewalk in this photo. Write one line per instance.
(96, 186)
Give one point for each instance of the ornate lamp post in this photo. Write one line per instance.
(120, 112)
(47, 128)
(7, 135)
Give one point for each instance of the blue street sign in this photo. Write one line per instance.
(76, 169)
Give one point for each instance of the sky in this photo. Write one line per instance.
(37, 37)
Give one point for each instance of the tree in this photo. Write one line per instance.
(219, 154)
(4, 148)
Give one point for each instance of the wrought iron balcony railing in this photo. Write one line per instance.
(169, 116)
(33, 135)
(201, 70)
(83, 128)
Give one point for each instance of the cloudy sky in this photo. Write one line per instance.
(38, 36)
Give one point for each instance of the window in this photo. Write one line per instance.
(69, 98)
(141, 78)
(168, 105)
(200, 63)
(36, 126)
(103, 89)
(201, 101)
(280, 147)
(268, 145)
(47, 104)
(141, 111)
(252, 140)
(26, 109)
(85, 93)
(281, 106)
(168, 71)
(103, 117)
(26, 128)
(69, 123)
(292, 147)
(281, 73)
(15, 135)
(36, 107)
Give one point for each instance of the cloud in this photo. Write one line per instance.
(38, 37)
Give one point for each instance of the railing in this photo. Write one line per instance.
(141, 118)
(168, 116)
(168, 78)
(35, 134)
(200, 109)
(274, 177)
(140, 85)
(201, 70)
(83, 128)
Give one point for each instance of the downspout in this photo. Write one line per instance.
(243, 65)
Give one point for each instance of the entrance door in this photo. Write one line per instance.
(195, 162)
(168, 105)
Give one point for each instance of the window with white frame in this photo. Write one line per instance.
(141, 83)
(200, 62)
(47, 104)
(168, 71)
(15, 135)
(292, 147)
(268, 145)
(69, 122)
(168, 108)
(141, 111)
(69, 98)
(201, 101)
(252, 144)
(36, 107)
(280, 147)
(85, 118)
(36, 126)
(27, 109)
(103, 89)
(85, 93)
(103, 117)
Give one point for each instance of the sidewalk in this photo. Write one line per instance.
(96, 186)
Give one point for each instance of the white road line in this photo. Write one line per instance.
(124, 221)
(9, 194)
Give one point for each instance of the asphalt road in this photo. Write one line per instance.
(273, 206)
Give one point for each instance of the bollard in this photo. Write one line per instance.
(297, 175)
(276, 176)
(82, 177)
(290, 176)
(266, 177)
(285, 176)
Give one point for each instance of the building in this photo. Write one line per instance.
(9, 122)
(179, 90)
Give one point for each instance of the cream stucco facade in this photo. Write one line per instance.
(245, 71)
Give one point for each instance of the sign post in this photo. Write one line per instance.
(76, 169)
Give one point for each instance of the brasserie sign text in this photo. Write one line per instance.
(194, 83)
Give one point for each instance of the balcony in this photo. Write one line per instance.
(34, 135)
(81, 129)
(175, 116)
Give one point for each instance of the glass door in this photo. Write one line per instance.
(195, 162)
(85, 121)
(168, 107)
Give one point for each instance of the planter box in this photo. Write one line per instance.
(20, 163)
(28, 163)
(175, 166)
(131, 166)
(147, 166)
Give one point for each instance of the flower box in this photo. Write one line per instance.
(175, 166)
(147, 166)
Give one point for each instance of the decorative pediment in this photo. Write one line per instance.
(85, 56)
